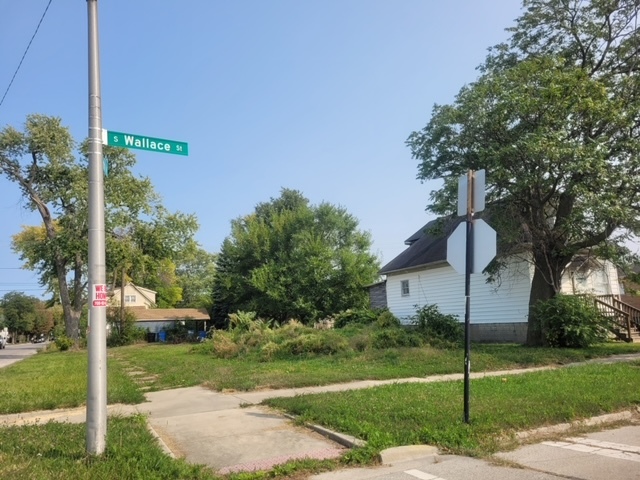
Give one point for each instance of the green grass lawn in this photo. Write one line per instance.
(59, 380)
(406, 414)
(392, 415)
(57, 451)
(384, 416)
(185, 365)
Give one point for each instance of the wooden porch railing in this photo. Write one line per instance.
(617, 316)
(623, 315)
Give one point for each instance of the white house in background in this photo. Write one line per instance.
(420, 276)
(134, 296)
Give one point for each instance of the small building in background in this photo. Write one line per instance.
(156, 320)
(134, 296)
(377, 294)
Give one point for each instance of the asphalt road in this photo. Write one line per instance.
(15, 353)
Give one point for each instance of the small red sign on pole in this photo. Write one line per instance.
(99, 295)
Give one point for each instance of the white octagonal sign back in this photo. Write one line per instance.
(484, 248)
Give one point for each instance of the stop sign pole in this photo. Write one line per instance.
(479, 243)
(467, 291)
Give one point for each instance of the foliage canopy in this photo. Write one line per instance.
(290, 259)
(554, 118)
(23, 314)
(142, 238)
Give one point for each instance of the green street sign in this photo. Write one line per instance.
(130, 140)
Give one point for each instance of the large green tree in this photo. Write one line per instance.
(196, 273)
(554, 118)
(24, 314)
(152, 252)
(290, 259)
(50, 170)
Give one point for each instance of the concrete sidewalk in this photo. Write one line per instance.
(211, 428)
(231, 432)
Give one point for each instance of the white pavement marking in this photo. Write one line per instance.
(602, 444)
(604, 452)
(422, 475)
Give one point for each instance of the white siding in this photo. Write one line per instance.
(597, 281)
(443, 286)
(611, 272)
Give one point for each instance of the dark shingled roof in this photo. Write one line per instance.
(425, 247)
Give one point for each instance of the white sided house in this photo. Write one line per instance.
(134, 296)
(420, 276)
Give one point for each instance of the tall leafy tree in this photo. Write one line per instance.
(50, 170)
(196, 273)
(555, 120)
(290, 259)
(152, 252)
(24, 314)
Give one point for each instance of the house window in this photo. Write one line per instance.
(404, 288)
(129, 299)
(581, 278)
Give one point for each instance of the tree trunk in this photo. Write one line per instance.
(541, 290)
(546, 284)
(71, 316)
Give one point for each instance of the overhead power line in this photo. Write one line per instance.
(25, 53)
(23, 290)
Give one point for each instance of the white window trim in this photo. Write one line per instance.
(403, 284)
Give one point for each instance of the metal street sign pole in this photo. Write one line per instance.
(479, 241)
(467, 293)
(97, 347)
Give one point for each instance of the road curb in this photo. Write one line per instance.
(165, 448)
(406, 453)
(588, 422)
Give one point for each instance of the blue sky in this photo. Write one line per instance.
(313, 95)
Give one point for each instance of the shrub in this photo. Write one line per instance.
(254, 339)
(359, 315)
(291, 329)
(269, 351)
(63, 343)
(223, 346)
(571, 321)
(123, 330)
(241, 321)
(387, 320)
(394, 337)
(325, 343)
(360, 342)
(437, 327)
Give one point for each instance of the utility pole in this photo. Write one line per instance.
(97, 344)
